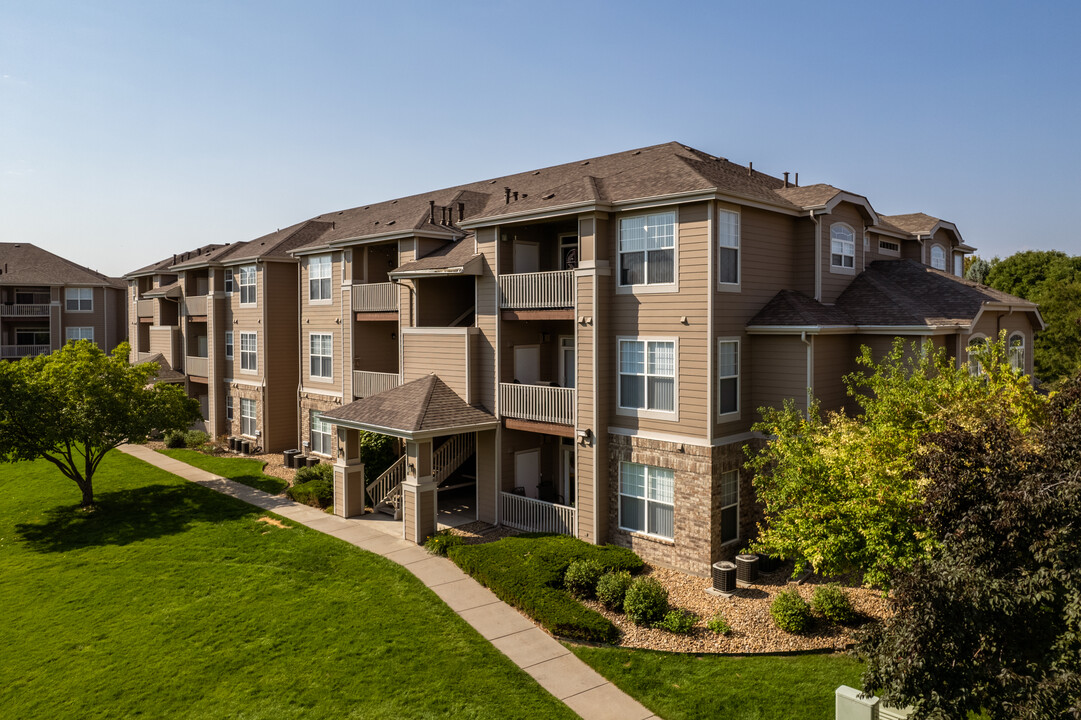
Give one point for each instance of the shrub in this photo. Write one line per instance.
(441, 543)
(677, 621)
(175, 440)
(317, 493)
(646, 601)
(612, 588)
(581, 578)
(832, 602)
(719, 625)
(791, 612)
(322, 471)
(195, 438)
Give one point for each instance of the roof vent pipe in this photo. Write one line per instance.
(786, 179)
(507, 198)
(431, 211)
(461, 211)
(515, 195)
(750, 168)
(797, 180)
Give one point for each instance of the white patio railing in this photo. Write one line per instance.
(375, 297)
(194, 365)
(17, 351)
(539, 403)
(537, 290)
(366, 384)
(523, 513)
(36, 310)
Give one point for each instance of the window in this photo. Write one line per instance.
(959, 265)
(322, 356)
(320, 434)
(229, 344)
(647, 249)
(248, 352)
(728, 247)
(229, 408)
(32, 336)
(79, 299)
(842, 247)
(974, 345)
(938, 258)
(889, 246)
(645, 499)
(729, 506)
(228, 282)
(647, 375)
(247, 417)
(246, 282)
(1017, 352)
(79, 333)
(727, 376)
(319, 277)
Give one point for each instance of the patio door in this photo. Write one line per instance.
(526, 257)
(566, 484)
(527, 364)
(527, 471)
(566, 361)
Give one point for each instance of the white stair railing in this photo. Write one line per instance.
(450, 456)
(537, 290)
(523, 513)
(387, 488)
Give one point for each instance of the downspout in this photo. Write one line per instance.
(300, 349)
(810, 369)
(818, 258)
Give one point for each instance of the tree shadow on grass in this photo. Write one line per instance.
(126, 516)
(267, 484)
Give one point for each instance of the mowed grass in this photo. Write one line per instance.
(170, 600)
(243, 470)
(745, 687)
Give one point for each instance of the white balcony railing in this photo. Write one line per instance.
(195, 305)
(366, 384)
(194, 365)
(523, 513)
(537, 290)
(375, 297)
(18, 351)
(144, 308)
(539, 403)
(36, 310)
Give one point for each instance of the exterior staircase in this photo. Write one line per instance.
(386, 490)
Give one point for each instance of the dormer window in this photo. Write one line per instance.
(938, 258)
(842, 247)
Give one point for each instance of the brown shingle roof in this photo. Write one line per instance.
(422, 407)
(453, 255)
(187, 257)
(165, 373)
(915, 223)
(793, 308)
(27, 264)
(809, 195)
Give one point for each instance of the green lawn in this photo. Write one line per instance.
(243, 470)
(170, 600)
(742, 687)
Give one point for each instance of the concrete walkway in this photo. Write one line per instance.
(552, 665)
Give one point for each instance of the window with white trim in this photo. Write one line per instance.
(321, 354)
(229, 408)
(248, 352)
(889, 246)
(1017, 352)
(228, 281)
(842, 247)
(727, 377)
(78, 299)
(938, 258)
(247, 417)
(959, 265)
(647, 375)
(79, 333)
(647, 249)
(245, 280)
(319, 434)
(727, 247)
(729, 506)
(646, 498)
(229, 344)
(319, 269)
(975, 344)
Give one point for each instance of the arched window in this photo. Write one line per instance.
(842, 246)
(975, 343)
(1017, 352)
(938, 257)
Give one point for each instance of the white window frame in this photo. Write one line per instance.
(325, 445)
(245, 288)
(646, 412)
(1018, 364)
(973, 367)
(932, 258)
(248, 419)
(324, 265)
(229, 408)
(229, 285)
(724, 477)
(646, 499)
(325, 356)
(959, 264)
(646, 286)
(730, 414)
(229, 344)
(83, 297)
(730, 242)
(837, 259)
(78, 333)
(249, 366)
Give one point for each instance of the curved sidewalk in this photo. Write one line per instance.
(547, 661)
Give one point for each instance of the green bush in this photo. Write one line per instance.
(832, 602)
(791, 612)
(719, 625)
(175, 440)
(677, 621)
(317, 493)
(581, 578)
(646, 602)
(195, 438)
(612, 588)
(527, 572)
(441, 543)
(322, 471)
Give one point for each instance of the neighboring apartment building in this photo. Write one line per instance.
(46, 300)
(584, 346)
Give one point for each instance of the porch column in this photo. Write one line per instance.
(418, 492)
(348, 475)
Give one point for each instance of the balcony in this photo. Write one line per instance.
(375, 298)
(195, 306)
(537, 290)
(366, 384)
(523, 513)
(18, 351)
(27, 310)
(144, 309)
(198, 366)
(537, 403)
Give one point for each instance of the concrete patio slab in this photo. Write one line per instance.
(530, 647)
(496, 620)
(465, 594)
(565, 675)
(607, 702)
(436, 571)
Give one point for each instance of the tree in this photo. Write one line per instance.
(976, 268)
(991, 619)
(841, 493)
(73, 406)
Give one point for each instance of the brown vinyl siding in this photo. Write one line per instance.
(487, 490)
(442, 352)
(781, 363)
(833, 359)
(487, 321)
(585, 397)
(834, 281)
(280, 366)
(321, 317)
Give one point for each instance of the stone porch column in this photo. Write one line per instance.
(418, 492)
(348, 475)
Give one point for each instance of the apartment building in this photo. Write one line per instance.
(46, 300)
(582, 348)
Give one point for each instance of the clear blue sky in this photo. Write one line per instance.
(133, 130)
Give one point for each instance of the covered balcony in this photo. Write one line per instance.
(195, 307)
(367, 383)
(536, 271)
(530, 292)
(378, 298)
(28, 310)
(538, 403)
(374, 296)
(538, 490)
(145, 309)
(9, 352)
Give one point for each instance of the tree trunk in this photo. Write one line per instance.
(88, 493)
